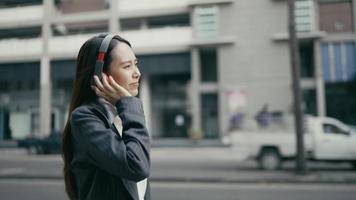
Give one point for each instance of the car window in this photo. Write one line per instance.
(332, 129)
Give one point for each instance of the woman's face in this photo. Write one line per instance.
(123, 68)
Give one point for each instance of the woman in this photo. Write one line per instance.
(105, 144)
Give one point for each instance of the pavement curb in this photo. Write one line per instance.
(199, 180)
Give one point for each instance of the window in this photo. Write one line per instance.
(170, 113)
(63, 84)
(206, 22)
(171, 20)
(338, 60)
(208, 63)
(336, 16)
(130, 24)
(80, 28)
(17, 3)
(309, 98)
(306, 52)
(332, 129)
(209, 115)
(24, 32)
(4, 86)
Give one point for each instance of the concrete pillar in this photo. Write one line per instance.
(114, 22)
(144, 24)
(223, 113)
(146, 102)
(318, 68)
(194, 92)
(319, 80)
(45, 82)
(354, 18)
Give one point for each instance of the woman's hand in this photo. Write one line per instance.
(109, 89)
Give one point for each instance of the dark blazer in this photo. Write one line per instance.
(106, 166)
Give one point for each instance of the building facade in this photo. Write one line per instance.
(202, 61)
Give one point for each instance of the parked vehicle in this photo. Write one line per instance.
(325, 139)
(47, 145)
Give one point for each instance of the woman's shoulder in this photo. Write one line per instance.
(84, 108)
(88, 109)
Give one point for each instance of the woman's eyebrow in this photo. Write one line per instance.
(129, 61)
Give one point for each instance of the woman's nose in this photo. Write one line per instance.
(137, 73)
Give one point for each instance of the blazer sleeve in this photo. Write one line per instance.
(127, 157)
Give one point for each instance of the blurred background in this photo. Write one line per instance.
(216, 88)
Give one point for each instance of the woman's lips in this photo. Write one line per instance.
(135, 84)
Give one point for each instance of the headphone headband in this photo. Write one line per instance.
(99, 64)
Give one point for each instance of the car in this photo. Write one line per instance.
(47, 145)
(325, 139)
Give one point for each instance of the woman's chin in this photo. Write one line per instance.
(134, 92)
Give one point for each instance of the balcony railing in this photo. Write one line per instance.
(136, 5)
(305, 16)
(159, 39)
(206, 22)
(21, 15)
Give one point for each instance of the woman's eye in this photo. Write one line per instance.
(126, 66)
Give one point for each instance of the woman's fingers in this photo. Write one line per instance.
(98, 83)
(98, 91)
(104, 87)
(107, 85)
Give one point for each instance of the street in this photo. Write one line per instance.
(191, 173)
(54, 190)
(184, 164)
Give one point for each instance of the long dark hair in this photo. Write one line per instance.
(81, 94)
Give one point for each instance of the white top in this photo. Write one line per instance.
(114, 118)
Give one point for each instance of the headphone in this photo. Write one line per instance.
(99, 64)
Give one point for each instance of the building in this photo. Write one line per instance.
(202, 61)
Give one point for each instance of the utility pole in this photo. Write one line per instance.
(298, 113)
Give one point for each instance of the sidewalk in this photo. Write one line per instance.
(206, 164)
(194, 164)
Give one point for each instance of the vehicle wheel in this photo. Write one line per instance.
(269, 159)
(33, 150)
(40, 150)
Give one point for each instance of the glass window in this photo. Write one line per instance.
(209, 115)
(171, 20)
(208, 65)
(130, 24)
(336, 16)
(80, 28)
(17, 3)
(4, 86)
(306, 53)
(332, 129)
(309, 98)
(22, 33)
(338, 60)
(170, 114)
